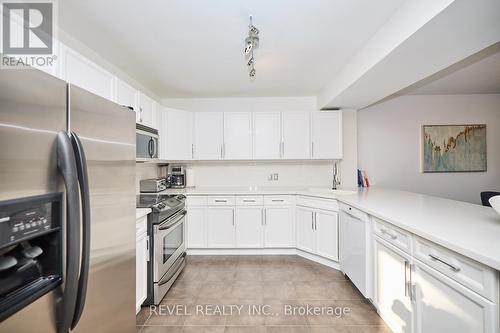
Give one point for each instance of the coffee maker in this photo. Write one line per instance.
(177, 176)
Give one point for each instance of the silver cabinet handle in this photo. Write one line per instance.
(147, 248)
(277, 200)
(435, 257)
(407, 283)
(140, 114)
(312, 149)
(192, 151)
(384, 231)
(248, 200)
(220, 200)
(233, 216)
(221, 156)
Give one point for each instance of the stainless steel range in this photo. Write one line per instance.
(166, 225)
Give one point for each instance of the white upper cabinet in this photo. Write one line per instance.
(208, 135)
(176, 134)
(126, 95)
(267, 142)
(79, 71)
(147, 110)
(296, 135)
(326, 135)
(237, 136)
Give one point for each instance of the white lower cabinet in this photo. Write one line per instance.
(141, 262)
(327, 234)
(220, 224)
(305, 229)
(196, 227)
(443, 305)
(249, 227)
(317, 232)
(391, 277)
(278, 227)
(412, 296)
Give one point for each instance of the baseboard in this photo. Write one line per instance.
(240, 252)
(318, 259)
(275, 252)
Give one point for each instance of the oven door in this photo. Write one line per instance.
(169, 244)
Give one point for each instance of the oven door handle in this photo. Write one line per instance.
(175, 267)
(167, 225)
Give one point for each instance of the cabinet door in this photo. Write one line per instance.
(305, 231)
(267, 135)
(326, 135)
(237, 135)
(196, 227)
(391, 286)
(296, 135)
(141, 270)
(249, 227)
(176, 135)
(208, 135)
(443, 305)
(327, 236)
(146, 109)
(220, 227)
(278, 227)
(87, 75)
(126, 95)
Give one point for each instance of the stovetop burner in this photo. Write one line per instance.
(162, 205)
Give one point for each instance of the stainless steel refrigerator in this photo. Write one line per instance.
(68, 156)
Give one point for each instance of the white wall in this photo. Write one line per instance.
(306, 173)
(389, 137)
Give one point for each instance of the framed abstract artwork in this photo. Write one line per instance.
(454, 148)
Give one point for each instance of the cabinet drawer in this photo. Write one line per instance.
(221, 201)
(475, 276)
(321, 203)
(196, 201)
(141, 226)
(249, 201)
(277, 200)
(392, 234)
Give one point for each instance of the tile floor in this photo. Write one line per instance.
(258, 294)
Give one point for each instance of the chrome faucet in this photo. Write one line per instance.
(336, 180)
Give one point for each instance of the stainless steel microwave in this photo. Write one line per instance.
(146, 142)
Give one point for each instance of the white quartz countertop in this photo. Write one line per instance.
(316, 192)
(469, 229)
(140, 212)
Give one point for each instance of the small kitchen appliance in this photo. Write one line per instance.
(153, 185)
(177, 177)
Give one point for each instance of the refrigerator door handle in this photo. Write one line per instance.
(81, 165)
(67, 167)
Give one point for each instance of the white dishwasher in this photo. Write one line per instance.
(355, 248)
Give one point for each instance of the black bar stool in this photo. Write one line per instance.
(485, 196)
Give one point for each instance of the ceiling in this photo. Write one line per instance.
(194, 48)
(479, 77)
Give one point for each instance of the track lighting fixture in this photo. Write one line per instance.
(251, 43)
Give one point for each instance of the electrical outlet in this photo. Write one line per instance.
(270, 177)
(275, 176)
